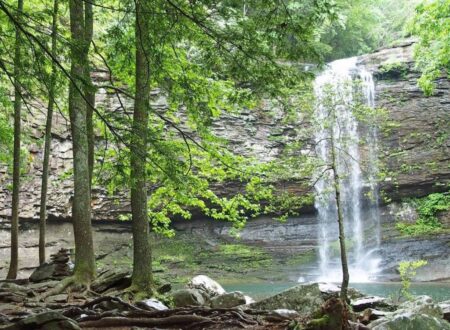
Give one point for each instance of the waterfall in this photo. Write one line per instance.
(338, 91)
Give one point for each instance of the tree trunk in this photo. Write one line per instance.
(142, 258)
(89, 90)
(337, 187)
(13, 266)
(48, 139)
(81, 207)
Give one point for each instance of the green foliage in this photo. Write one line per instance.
(407, 271)
(366, 25)
(432, 53)
(428, 209)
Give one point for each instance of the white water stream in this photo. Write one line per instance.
(338, 90)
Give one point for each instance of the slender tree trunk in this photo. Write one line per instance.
(89, 87)
(337, 187)
(13, 266)
(81, 208)
(48, 140)
(142, 279)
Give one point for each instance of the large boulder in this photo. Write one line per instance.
(206, 284)
(305, 299)
(228, 300)
(418, 314)
(421, 305)
(188, 297)
(410, 321)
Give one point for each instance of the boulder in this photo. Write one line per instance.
(305, 299)
(206, 284)
(410, 321)
(286, 313)
(151, 305)
(188, 297)
(330, 290)
(43, 272)
(369, 315)
(418, 314)
(369, 302)
(228, 300)
(421, 305)
(110, 278)
(445, 306)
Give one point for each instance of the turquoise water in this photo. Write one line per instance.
(438, 291)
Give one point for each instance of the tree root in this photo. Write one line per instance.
(60, 287)
(143, 322)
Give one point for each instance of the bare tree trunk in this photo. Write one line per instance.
(48, 140)
(13, 266)
(81, 208)
(142, 280)
(344, 263)
(89, 88)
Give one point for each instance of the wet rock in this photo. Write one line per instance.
(228, 300)
(304, 299)
(188, 297)
(206, 284)
(410, 321)
(44, 321)
(151, 305)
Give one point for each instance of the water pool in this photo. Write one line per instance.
(438, 291)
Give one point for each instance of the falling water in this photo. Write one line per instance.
(337, 93)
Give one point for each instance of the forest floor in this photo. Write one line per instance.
(22, 308)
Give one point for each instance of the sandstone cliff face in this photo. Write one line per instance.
(415, 151)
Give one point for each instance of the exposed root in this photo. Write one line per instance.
(59, 288)
(142, 322)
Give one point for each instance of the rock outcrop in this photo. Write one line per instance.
(415, 152)
(415, 148)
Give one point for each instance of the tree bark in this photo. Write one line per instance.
(89, 90)
(337, 187)
(48, 139)
(142, 258)
(81, 207)
(13, 266)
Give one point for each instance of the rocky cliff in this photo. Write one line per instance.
(415, 149)
(415, 158)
